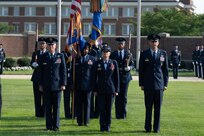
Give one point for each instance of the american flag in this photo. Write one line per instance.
(74, 33)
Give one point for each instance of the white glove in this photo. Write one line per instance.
(4, 60)
(34, 64)
(179, 64)
(127, 68)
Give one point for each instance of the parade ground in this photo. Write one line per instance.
(181, 115)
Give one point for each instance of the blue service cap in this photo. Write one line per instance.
(105, 47)
(120, 39)
(51, 41)
(153, 37)
(41, 39)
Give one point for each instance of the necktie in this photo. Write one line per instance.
(105, 65)
(121, 55)
(154, 55)
(83, 59)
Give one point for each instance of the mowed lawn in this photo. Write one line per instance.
(182, 113)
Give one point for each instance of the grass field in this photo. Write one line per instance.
(182, 113)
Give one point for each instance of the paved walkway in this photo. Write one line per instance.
(187, 79)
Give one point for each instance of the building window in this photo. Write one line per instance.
(128, 12)
(147, 9)
(16, 26)
(50, 11)
(16, 11)
(65, 11)
(30, 11)
(3, 11)
(109, 29)
(50, 28)
(127, 29)
(66, 27)
(111, 12)
(87, 28)
(29, 26)
(86, 12)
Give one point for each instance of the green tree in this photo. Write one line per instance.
(4, 28)
(177, 23)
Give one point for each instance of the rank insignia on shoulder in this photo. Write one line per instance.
(44, 63)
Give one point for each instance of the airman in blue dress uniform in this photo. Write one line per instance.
(175, 61)
(84, 68)
(125, 63)
(38, 95)
(105, 86)
(52, 75)
(67, 92)
(195, 58)
(96, 53)
(153, 80)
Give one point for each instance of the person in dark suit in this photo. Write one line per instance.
(52, 76)
(95, 52)
(38, 95)
(2, 58)
(84, 68)
(195, 58)
(67, 93)
(153, 80)
(105, 86)
(200, 61)
(125, 63)
(175, 61)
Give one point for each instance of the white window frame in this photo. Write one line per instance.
(50, 11)
(3, 11)
(111, 12)
(66, 11)
(129, 13)
(31, 27)
(110, 25)
(85, 29)
(16, 11)
(86, 12)
(50, 29)
(129, 28)
(16, 26)
(30, 11)
(65, 28)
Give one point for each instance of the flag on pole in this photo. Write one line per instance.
(74, 34)
(97, 7)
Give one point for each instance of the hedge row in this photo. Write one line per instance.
(21, 62)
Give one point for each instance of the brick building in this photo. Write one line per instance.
(23, 15)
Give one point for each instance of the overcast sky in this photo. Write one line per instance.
(199, 6)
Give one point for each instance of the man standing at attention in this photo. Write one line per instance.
(52, 76)
(38, 95)
(125, 63)
(153, 80)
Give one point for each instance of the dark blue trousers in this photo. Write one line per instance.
(153, 98)
(83, 99)
(52, 107)
(38, 100)
(67, 103)
(105, 102)
(121, 101)
(175, 71)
